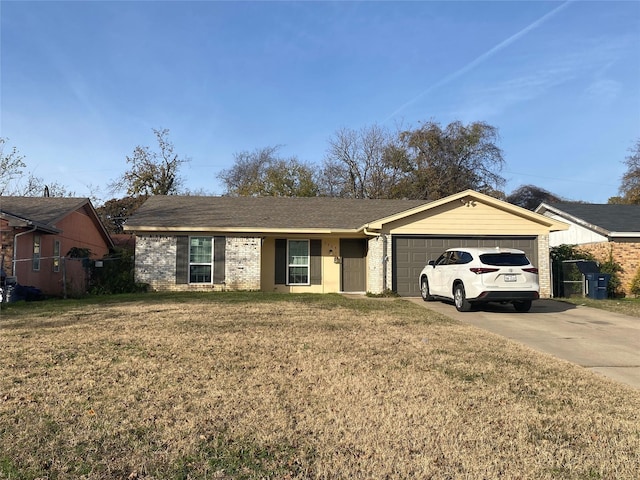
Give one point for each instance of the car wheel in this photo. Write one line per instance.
(424, 290)
(523, 306)
(460, 299)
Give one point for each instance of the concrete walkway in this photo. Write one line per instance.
(604, 342)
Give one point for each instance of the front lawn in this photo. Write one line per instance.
(303, 386)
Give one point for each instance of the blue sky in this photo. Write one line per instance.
(83, 83)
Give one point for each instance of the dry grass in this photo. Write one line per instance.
(256, 386)
(625, 306)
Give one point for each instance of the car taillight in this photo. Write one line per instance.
(531, 270)
(481, 270)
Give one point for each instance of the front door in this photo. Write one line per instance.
(354, 264)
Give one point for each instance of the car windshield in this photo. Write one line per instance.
(505, 259)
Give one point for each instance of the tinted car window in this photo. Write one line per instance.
(505, 259)
(464, 257)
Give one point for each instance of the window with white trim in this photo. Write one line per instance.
(36, 253)
(298, 262)
(200, 259)
(56, 255)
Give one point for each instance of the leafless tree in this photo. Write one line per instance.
(357, 164)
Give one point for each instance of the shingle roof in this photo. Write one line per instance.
(611, 217)
(263, 212)
(41, 210)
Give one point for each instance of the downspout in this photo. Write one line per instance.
(385, 260)
(15, 249)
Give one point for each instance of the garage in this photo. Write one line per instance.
(410, 253)
(468, 219)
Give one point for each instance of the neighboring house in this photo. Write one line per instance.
(603, 230)
(36, 235)
(318, 244)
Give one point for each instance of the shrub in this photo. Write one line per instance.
(635, 284)
(613, 268)
(115, 275)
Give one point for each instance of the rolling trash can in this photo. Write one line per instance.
(596, 285)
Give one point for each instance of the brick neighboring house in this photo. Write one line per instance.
(321, 245)
(602, 230)
(36, 234)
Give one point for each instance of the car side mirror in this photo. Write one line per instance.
(432, 263)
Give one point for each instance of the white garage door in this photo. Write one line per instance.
(411, 253)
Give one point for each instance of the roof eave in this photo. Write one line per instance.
(242, 230)
(19, 222)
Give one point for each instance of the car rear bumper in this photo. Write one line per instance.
(505, 296)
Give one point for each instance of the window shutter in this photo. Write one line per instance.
(281, 261)
(315, 262)
(182, 259)
(219, 249)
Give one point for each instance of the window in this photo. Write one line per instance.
(298, 262)
(56, 255)
(200, 259)
(443, 259)
(36, 253)
(465, 257)
(505, 259)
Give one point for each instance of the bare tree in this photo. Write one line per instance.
(11, 168)
(357, 164)
(14, 181)
(152, 172)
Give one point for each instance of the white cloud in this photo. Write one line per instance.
(482, 58)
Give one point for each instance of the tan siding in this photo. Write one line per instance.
(461, 219)
(330, 269)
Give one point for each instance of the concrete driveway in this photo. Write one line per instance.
(604, 342)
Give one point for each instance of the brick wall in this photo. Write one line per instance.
(375, 265)
(155, 264)
(242, 263)
(6, 247)
(626, 254)
(544, 267)
(155, 261)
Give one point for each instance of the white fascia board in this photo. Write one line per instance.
(624, 235)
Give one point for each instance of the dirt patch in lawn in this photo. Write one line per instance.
(296, 387)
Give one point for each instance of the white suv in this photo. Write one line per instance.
(478, 275)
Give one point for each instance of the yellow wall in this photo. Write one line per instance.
(475, 218)
(330, 269)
